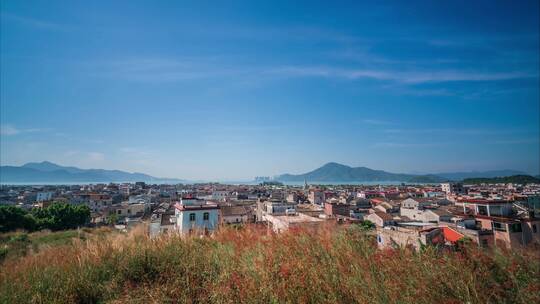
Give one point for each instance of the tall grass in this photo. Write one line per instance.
(330, 265)
(14, 245)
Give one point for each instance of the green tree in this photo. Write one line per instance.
(367, 225)
(61, 216)
(13, 218)
(112, 219)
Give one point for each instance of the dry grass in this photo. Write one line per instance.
(331, 265)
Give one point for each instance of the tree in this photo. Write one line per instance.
(13, 218)
(60, 216)
(112, 219)
(367, 225)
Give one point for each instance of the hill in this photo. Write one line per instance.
(47, 172)
(515, 179)
(457, 176)
(334, 172)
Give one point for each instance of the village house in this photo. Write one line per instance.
(195, 215)
(415, 237)
(235, 214)
(380, 219)
(510, 229)
(316, 197)
(333, 208)
(291, 219)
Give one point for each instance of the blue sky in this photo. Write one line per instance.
(203, 90)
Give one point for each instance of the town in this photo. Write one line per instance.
(269, 151)
(504, 215)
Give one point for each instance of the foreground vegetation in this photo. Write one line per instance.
(15, 245)
(335, 265)
(57, 216)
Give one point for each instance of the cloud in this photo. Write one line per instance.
(32, 22)
(414, 77)
(516, 141)
(9, 130)
(376, 122)
(406, 145)
(136, 151)
(163, 70)
(139, 155)
(96, 156)
(70, 153)
(390, 71)
(463, 131)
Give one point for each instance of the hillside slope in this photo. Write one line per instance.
(333, 265)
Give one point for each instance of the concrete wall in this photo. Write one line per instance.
(184, 225)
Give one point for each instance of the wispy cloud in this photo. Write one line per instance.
(407, 145)
(414, 77)
(516, 141)
(376, 122)
(139, 155)
(188, 68)
(9, 130)
(163, 70)
(463, 131)
(96, 156)
(34, 23)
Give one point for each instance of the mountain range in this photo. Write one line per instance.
(334, 172)
(47, 172)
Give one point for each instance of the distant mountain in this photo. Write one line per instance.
(47, 172)
(334, 172)
(515, 179)
(457, 176)
(49, 167)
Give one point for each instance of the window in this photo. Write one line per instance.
(192, 217)
(516, 227)
(482, 210)
(119, 211)
(499, 226)
(206, 216)
(495, 211)
(534, 228)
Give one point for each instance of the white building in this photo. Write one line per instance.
(196, 216)
(451, 188)
(280, 223)
(220, 195)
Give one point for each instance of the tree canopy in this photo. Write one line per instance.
(58, 216)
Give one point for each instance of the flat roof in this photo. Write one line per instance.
(298, 218)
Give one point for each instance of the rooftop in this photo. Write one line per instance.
(294, 219)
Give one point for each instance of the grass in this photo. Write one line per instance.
(15, 245)
(330, 265)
